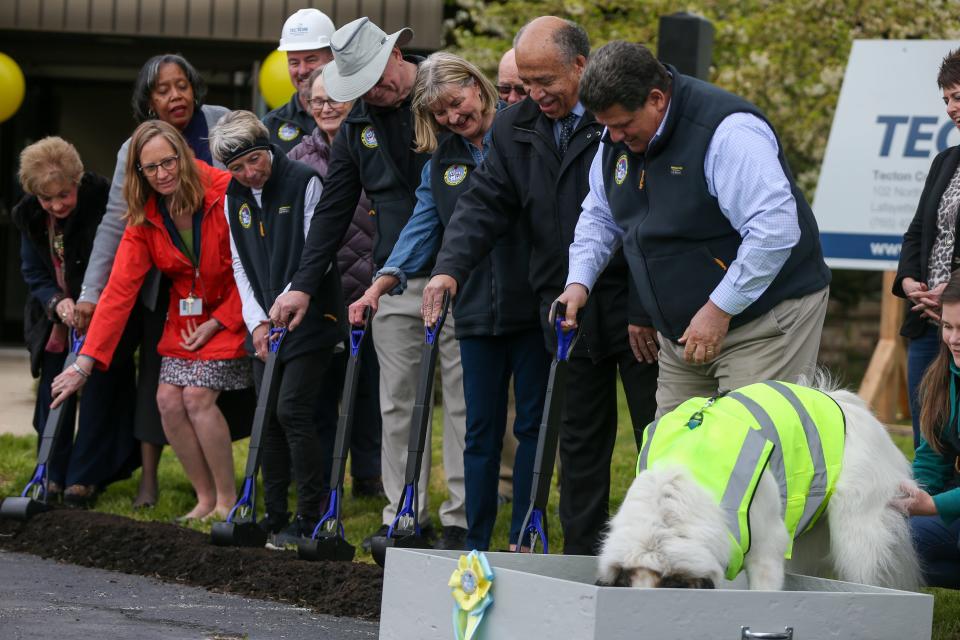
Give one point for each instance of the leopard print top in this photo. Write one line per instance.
(941, 255)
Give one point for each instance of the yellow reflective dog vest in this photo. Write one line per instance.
(726, 442)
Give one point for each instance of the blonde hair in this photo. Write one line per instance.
(435, 75)
(49, 161)
(137, 191)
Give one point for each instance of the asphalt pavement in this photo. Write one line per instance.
(44, 599)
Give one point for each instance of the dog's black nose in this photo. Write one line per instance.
(685, 582)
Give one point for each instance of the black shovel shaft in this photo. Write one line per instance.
(549, 434)
(54, 421)
(266, 405)
(341, 446)
(422, 410)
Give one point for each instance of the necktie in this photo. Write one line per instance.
(566, 130)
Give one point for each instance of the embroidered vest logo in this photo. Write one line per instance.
(284, 209)
(288, 132)
(455, 174)
(368, 137)
(244, 215)
(620, 171)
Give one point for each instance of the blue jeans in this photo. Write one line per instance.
(487, 365)
(920, 353)
(936, 544)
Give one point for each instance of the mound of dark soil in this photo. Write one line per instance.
(176, 554)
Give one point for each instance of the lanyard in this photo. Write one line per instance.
(178, 242)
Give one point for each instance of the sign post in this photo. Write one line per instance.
(889, 124)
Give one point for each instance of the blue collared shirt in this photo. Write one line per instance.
(420, 239)
(743, 171)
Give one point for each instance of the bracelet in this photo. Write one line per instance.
(79, 369)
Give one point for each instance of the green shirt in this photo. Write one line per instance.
(932, 473)
(187, 235)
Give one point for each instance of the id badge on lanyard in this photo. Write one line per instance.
(191, 305)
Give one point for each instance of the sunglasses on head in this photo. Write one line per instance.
(505, 89)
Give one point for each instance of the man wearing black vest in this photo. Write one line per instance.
(306, 41)
(536, 170)
(374, 152)
(722, 245)
(269, 205)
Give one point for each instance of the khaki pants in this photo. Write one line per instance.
(782, 344)
(399, 330)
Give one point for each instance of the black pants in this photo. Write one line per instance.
(104, 449)
(290, 441)
(365, 434)
(588, 433)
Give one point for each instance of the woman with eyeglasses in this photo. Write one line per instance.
(169, 89)
(355, 260)
(175, 222)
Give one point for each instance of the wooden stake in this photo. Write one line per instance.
(884, 386)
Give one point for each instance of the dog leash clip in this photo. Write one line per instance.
(697, 418)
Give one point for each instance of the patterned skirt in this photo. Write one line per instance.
(219, 375)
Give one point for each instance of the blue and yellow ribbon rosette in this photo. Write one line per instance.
(470, 586)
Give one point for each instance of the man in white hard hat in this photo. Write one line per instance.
(374, 152)
(306, 40)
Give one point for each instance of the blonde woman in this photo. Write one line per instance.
(496, 312)
(175, 222)
(57, 220)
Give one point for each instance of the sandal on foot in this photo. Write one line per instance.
(81, 496)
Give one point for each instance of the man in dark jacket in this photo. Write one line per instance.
(722, 246)
(306, 41)
(373, 152)
(537, 169)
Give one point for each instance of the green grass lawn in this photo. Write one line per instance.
(361, 517)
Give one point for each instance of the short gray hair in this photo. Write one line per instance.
(236, 130)
(621, 73)
(571, 39)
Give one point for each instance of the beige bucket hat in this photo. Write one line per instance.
(361, 50)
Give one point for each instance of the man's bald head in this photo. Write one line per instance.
(508, 79)
(551, 55)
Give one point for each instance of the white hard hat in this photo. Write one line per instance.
(305, 30)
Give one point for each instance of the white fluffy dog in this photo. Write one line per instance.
(670, 533)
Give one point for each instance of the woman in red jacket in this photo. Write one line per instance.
(175, 222)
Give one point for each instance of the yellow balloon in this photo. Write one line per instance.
(12, 87)
(274, 80)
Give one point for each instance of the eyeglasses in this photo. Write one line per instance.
(168, 165)
(505, 89)
(317, 103)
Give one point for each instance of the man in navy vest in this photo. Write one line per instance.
(722, 246)
(269, 206)
(306, 41)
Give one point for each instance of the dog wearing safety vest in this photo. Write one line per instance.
(755, 477)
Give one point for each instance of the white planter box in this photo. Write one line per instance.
(553, 597)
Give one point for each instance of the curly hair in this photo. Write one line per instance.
(50, 161)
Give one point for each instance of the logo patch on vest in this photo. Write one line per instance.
(455, 174)
(288, 132)
(284, 209)
(244, 215)
(620, 172)
(368, 137)
(676, 170)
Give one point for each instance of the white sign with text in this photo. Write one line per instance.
(889, 124)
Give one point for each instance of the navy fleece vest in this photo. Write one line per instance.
(497, 298)
(269, 242)
(678, 243)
